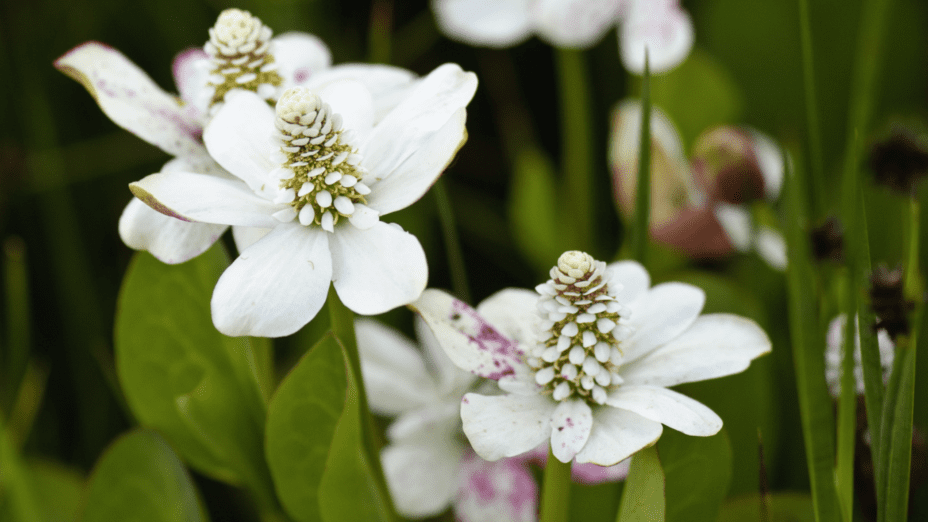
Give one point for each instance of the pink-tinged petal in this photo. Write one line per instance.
(410, 125)
(352, 100)
(501, 491)
(377, 269)
(660, 315)
(238, 138)
(418, 172)
(244, 237)
(662, 27)
(423, 476)
(199, 163)
(191, 69)
(696, 232)
(388, 85)
(209, 199)
(276, 286)
(715, 345)
(394, 372)
(300, 56)
(522, 383)
(616, 435)
(469, 340)
(506, 425)
(132, 100)
(490, 23)
(634, 279)
(451, 379)
(575, 23)
(591, 474)
(570, 428)
(513, 312)
(170, 240)
(668, 407)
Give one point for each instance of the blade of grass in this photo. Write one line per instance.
(847, 411)
(813, 130)
(18, 322)
(814, 404)
(643, 186)
(452, 242)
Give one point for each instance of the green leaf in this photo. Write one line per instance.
(313, 438)
(65, 485)
(17, 494)
(139, 478)
(698, 471)
(642, 219)
(896, 449)
(781, 507)
(643, 498)
(534, 210)
(182, 377)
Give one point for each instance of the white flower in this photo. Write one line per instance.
(318, 173)
(427, 463)
(834, 342)
(660, 25)
(587, 363)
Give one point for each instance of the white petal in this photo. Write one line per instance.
(570, 428)
(736, 221)
(770, 159)
(237, 138)
(423, 478)
(616, 435)
(575, 23)
(634, 279)
(388, 85)
(715, 345)
(771, 247)
(299, 57)
(491, 23)
(471, 342)
(191, 69)
(662, 314)
(364, 217)
(512, 312)
(667, 407)
(377, 269)
(410, 125)
(451, 379)
(595, 474)
(439, 419)
(352, 100)
(666, 31)
(244, 237)
(506, 425)
(205, 198)
(168, 239)
(132, 100)
(276, 286)
(394, 373)
(501, 491)
(419, 171)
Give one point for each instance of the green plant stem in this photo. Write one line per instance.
(643, 187)
(16, 351)
(342, 324)
(576, 137)
(378, 35)
(452, 242)
(555, 493)
(847, 412)
(813, 130)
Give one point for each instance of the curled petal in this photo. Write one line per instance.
(388, 85)
(634, 279)
(659, 316)
(300, 56)
(491, 23)
(667, 407)
(506, 425)
(168, 239)
(191, 69)
(616, 435)
(512, 312)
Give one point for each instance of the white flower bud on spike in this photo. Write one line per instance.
(570, 329)
(544, 376)
(307, 214)
(576, 355)
(550, 354)
(328, 222)
(561, 391)
(590, 366)
(599, 395)
(575, 264)
(569, 372)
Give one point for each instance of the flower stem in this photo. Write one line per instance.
(643, 185)
(342, 324)
(575, 144)
(555, 494)
(813, 132)
(452, 242)
(378, 34)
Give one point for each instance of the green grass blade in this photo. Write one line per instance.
(643, 186)
(847, 413)
(15, 355)
(896, 450)
(813, 130)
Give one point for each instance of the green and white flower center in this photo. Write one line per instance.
(238, 47)
(320, 174)
(582, 328)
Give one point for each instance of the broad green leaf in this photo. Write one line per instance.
(595, 503)
(534, 211)
(54, 481)
(698, 471)
(302, 421)
(780, 507)
(139, 478)
(17, 494)
(182, 377)
(643, 498)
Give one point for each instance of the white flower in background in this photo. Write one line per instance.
(428, 464)
(318, 173)
(701, 206)
(660, 25)
(586, 360)
(834, 351)
(175, 125)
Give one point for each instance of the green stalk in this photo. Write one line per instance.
(555, 493)
(17, 323)
(342, 324)
(378, 35)
(847, 412)
(19, 496)
(640, 233)
(576, 137)
(452, 242)
(644, 498)
(813, 130)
